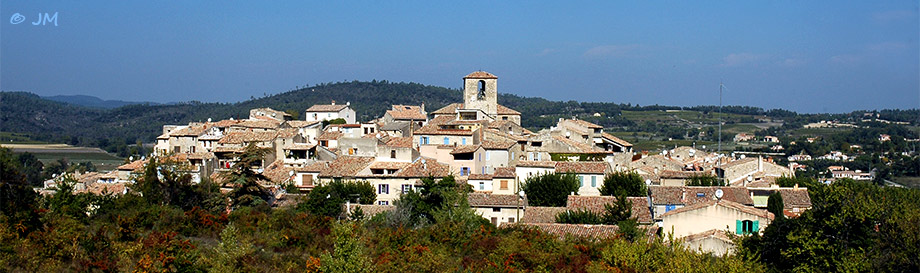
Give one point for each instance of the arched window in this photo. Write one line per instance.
(482, 89)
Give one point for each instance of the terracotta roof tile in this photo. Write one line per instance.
(640, 207)
(695, 195)
(407, 112)
(424, 167)
(503, 110)
(346, 166)
(586, 124)
(480, 75)
(330, 135)
(539, 164)
(244, 137)
(195, 130)
(504, 172)
(579, 147)
(542, 214)
(723, 203)
(795, 198)
(400, 142)
(497, 145)
(133, 166)
(260, 124)
(277, 172)
(582, 167)
(300, 123)
(449, 109)
(479, 176)
(616, 140)
(388, 165)
(494, 200)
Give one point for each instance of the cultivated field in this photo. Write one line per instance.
(47, 153)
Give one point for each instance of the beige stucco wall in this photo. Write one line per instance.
(715, 246)
(708, 218)
(504, 215)
(587, 188)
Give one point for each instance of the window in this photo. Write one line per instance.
(480, 157)
(406, 188)
(503, 184)
(511, 220)
(530, 156)
(393, 154)
(495, 221)
(383, 203)
(446, 141)
(464, 171)
(423, 140)
(496, 209)
(668, 208)
(488, 156)
(539, 156)
(746, 227)
(463, 141)
(505, 118)
(536, 143)
(383, 189)
(482, 90)
(593, 181)
(482, 186)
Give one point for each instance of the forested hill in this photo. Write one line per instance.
(114, 129)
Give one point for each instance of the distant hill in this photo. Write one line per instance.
(77, 122)
(92, 102)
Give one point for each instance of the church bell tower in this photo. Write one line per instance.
(480, 91)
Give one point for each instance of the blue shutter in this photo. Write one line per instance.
(756, 226)
(446, 141)
(739, 227)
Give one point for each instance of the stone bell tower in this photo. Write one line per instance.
(480, 91)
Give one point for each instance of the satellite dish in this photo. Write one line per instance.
(648, 182)
(719, 193)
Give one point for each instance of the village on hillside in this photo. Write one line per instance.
(482, 143)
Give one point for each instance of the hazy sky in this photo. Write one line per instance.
(807, 56)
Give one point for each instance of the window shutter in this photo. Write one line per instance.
(739, 227)
(756, 226)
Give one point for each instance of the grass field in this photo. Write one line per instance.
(17, 138)
(47, 153)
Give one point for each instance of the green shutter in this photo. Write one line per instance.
(739, 227)
(756, 226)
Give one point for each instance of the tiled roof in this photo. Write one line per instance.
(579, 147)
(407, 112)
(326, 108)
(227, 149)
(105, 188)
(277, 172)
(449, 109)
(480, 75)
(723, 203)
(133, 166)
(202, 155)
(346, 166)
(261, 124)
(504, 172)
(542, 214)
(425, 167)
(330, 135)
(479, 176)
(196, 130)
(300, 123)
(315, 167)
(226, 123)
(585, 231)
(370, 210)
(491, 133)
(462, 149)
(388, 165)
(712, 233)
(299, 146)
(503, 110)
(795, 198)
(586, 124)
(400, 142)
(497, 145)
(680, 174)
(616, 140)
(244, 137)
(640, 207)
(494, 200)
(690, 195)
(738, 162)
(581, 167)
(287, 133)
(539, 164)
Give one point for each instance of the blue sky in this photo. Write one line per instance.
(806, 56)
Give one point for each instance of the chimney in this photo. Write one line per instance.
(347, 103)
(333, 102)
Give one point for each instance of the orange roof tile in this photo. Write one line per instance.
(480, 75)
(580, 167)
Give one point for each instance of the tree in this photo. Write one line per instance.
(247, 191)
(620, 183)
(348, 254)
(705, 180)
(581, 216)
(419, 207)
(17, 199)
(328, 199)
(551, 189)
(775, 205)
(31, 168)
